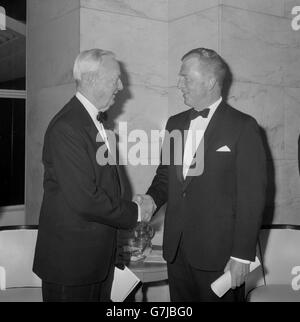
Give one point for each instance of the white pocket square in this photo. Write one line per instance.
(224, 148)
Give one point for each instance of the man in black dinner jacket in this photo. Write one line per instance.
(82, 206)
(215, 207)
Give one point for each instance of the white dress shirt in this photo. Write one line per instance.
(195, 134)
(93, 112)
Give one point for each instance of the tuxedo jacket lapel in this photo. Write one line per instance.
(97, 139)
(214, 126)
(179, 148)
(115, 158)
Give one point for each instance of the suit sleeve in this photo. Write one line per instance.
(76, 178)
(251, 181)
(159, 187)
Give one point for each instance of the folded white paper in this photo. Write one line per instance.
(2, 279)
(223, 284)
(124, 283)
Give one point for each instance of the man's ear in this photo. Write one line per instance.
(212, 83)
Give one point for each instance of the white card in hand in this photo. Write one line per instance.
(2, 279)
(124, 283)
(223, 284)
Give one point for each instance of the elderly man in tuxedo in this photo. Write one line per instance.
(213, 214)
(82, 208)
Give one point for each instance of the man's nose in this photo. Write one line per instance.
(179, 83)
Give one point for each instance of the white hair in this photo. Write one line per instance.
(88, 62)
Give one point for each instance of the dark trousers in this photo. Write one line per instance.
(99, 292)
(188, 284)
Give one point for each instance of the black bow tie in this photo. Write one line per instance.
(102, 117)
(204, 113)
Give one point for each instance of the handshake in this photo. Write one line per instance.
(147, 206)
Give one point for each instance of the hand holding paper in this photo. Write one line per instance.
(223, 284)
(238, 271)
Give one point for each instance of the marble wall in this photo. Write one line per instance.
(262, 50)
(149, 38)
(52, 45)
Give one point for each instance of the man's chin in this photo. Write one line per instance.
(108, 106)
(105, 109)
(187, 103)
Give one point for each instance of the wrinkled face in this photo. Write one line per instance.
(194, 82)
(108, 84)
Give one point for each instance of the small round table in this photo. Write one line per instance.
(148, 273)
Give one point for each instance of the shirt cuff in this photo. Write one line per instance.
(139, 212)
(155, 207)
(240, 260)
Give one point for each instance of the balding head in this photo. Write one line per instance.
(210, 61)
(89, 63)
(97, 76)
(201, 77)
